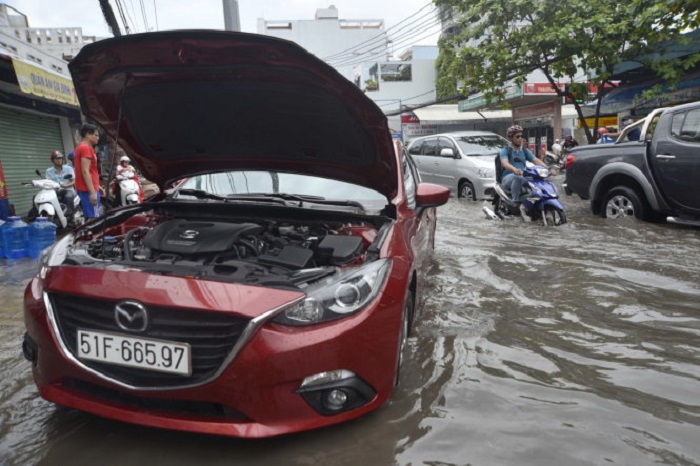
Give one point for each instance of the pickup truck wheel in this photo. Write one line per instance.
(623, 201)
(466, 191)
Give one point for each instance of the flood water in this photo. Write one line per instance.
(576, 345)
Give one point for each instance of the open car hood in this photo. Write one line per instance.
(188, 102)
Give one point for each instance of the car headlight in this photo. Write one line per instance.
(54, 255)
(485, 173)
(338, 296)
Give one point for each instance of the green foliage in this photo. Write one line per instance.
(500, 41)
(371, 85)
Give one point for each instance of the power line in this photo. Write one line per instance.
(380, 36)
(121, 14)
(403, 38)
(143, 14)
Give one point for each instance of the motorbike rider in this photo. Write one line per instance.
(513, 158)
(125, 165)
(66, 194)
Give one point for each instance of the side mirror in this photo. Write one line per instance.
(431, 195)
(447, 152)
(38, 173)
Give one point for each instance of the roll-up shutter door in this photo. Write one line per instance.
(26, 142)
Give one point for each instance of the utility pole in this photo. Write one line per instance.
(110, 18)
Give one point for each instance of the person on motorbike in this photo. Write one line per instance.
(125, 166)
(513, 158)
(66, 194)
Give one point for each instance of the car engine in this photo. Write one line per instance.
(270, 253)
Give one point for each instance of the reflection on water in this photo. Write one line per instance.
(575, 345)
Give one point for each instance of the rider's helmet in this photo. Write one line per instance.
(513, 130)
(71, 156)
(124, 158)
(56, 155)
(602, 131)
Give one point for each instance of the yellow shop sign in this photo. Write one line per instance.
(603, 121)
(34, 80)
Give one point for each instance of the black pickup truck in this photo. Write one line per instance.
(654, 178)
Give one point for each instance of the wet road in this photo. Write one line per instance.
(570, 346)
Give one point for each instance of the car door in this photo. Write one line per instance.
(424, 158)
(675, 160)
(446, 167)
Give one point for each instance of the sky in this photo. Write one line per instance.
(207, 14)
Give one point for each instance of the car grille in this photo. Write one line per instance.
(211, 336)
(169, 407)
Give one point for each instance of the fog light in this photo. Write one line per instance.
(336, 399)
(334, 392)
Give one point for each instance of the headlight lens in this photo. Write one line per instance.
(343, 294)
(486, 173)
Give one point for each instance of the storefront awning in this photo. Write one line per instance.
(43, 83)
(449, 114)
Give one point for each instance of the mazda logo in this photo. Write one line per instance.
(189, 234)
(131, 316)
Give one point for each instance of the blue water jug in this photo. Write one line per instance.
(42, 234)
(15, 235)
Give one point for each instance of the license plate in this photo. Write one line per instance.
(143, 353)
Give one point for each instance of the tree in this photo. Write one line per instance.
(578, 41)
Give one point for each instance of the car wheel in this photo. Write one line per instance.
(621, 202)
(406, 321)
(553, 216)
(466, 191)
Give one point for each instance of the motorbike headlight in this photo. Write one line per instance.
(338, 296)
(486, 173)
(542, 172)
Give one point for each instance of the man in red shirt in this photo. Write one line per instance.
(87, 178)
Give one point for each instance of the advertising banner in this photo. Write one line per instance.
(37, 81)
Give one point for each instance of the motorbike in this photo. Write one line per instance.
(47, 204)
(539, 202)
(128, 189)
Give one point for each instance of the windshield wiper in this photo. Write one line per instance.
(302, 198)
(199, 194)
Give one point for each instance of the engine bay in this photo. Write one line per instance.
(276, 253)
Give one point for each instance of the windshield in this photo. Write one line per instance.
(245, 183)
(479, 144)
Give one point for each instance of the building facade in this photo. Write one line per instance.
(39, 110)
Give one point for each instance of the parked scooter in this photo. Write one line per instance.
(47, 204)
(540, 200)
(128, 190)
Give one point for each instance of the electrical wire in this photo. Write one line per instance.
(380, 37)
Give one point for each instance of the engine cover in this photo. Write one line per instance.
(186, 237)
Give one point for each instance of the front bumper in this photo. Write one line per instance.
(258, 394)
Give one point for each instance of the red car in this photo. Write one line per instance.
(270, 292)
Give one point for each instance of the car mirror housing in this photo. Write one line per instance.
(447, 152)
(431, 195)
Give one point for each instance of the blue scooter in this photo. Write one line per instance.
(539, 202)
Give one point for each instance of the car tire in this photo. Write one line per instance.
(621, 202)
(405, 332)
(466, 191)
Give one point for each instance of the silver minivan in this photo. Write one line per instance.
(463, 161)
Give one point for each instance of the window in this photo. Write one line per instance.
(430, 146)
(686, 126)
(415, 148)
(396, 72)
(445, 143)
